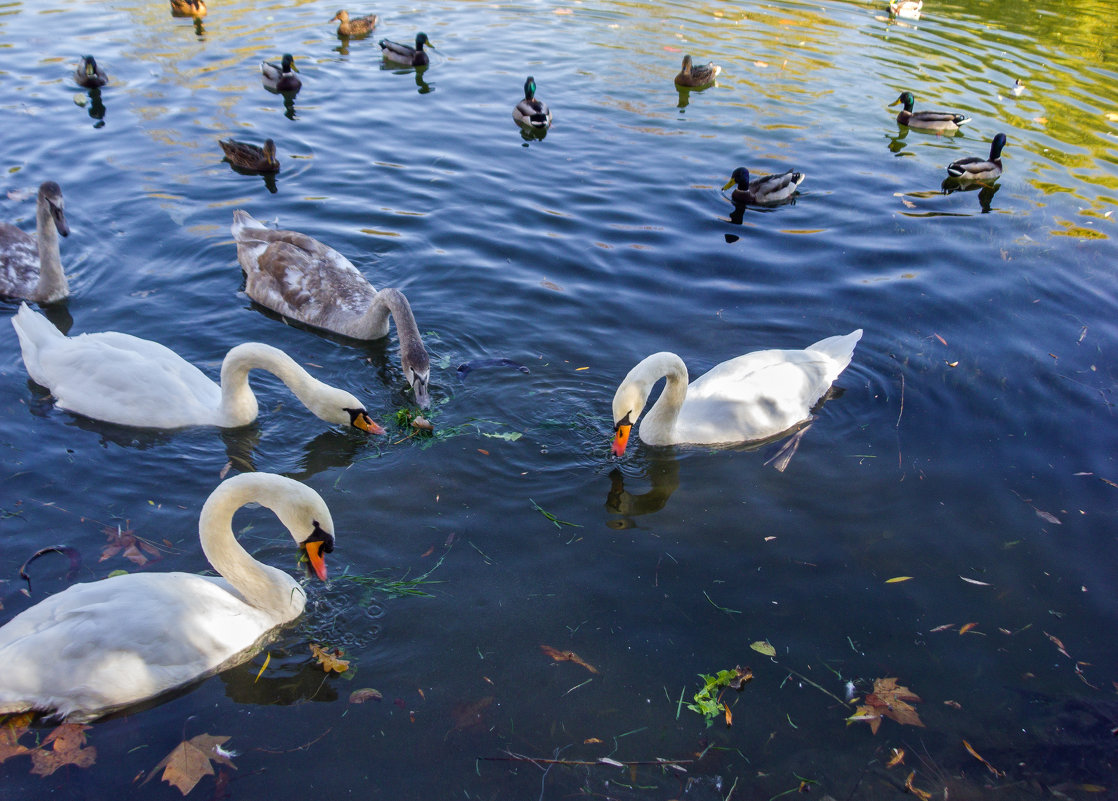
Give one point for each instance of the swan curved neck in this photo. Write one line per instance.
(238, 403)
(656, 428)
(388, 302)
(266, 588)
(52, 284)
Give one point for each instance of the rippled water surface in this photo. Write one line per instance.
(973, 449)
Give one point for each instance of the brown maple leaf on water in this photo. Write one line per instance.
(888, 700)
(191, 760)
(567, 656)
(12, 729)
(124, 541)
(329, 661)
(468, 715)
(67, 748)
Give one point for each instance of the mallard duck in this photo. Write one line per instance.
(767, 189)
(280, 77)
(403, 54)
(530, 112)
(130, 381)
(697, 75)
(906, 9)
(750, 398)
(188, 8)
(305, 280)
(973, 168)
(941, 121)
(104, 645)
(89, 75)
(358, 26)
(30, 266)
(251, 157)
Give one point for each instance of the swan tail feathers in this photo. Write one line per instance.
(34, 330)
(839, 348)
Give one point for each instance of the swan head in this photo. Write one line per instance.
(417, 370)
(628, 403)
(51, 194)
(318, 543)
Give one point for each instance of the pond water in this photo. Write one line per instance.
(973, 449)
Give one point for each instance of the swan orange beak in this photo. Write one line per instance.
(315, 557)
(362, 421)
(621, 439)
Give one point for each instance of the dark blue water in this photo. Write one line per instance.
(981, 395)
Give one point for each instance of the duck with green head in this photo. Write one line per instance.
(532, 112)
(938, 121)
(974, 168)
(404, 54)
(280, 77)
(765, 190)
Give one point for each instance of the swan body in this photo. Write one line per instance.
(696, 75)
(104, 645)
(188, 8)
(767, 189)
(906, 9)
(752, 397)
(532, 112)
(405, 54)
(939, 121)
(251, 157)
(30, 266)
(973, 168)
(280, 77)
(89, 74)
(358, 26)
(130, 381)
(305, 280)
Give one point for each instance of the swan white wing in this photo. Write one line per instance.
(19, 262)
(123, 379)
(128, 638)
(754, 396)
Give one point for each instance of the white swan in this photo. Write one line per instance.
(303, 279)
(30, 266)
(123, 379)
(752, 397)
(96, 647)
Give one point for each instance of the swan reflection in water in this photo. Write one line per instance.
(662, 470)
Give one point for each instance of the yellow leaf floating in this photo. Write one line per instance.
(763, 648)
(267, 659)
(898, 579)
(916, 791)
(329, 661)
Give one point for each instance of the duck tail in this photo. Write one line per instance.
(34, 330)
(961, 120)
(839, 348)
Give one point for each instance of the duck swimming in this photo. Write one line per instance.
(940, 121)
(764, 190)
(696, 75)
(973, 168)
(89, 74)
(358, 26)
(532, 112)
(251, 157)
(403, 54)
(280, 77)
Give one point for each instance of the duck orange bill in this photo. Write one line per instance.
(621, 439)
(315, 557)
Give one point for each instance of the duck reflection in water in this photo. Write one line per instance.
(986, 190)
